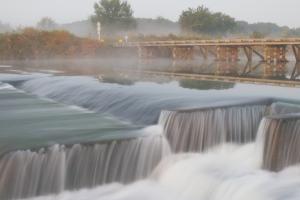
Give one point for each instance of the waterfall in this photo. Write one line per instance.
(280, 139)
(55, 169)
(120, 153)
(199, 129)
(228, 172)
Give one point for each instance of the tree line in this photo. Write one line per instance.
(117, 15)
(117, 18)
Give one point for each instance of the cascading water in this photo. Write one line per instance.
(59, 168)
(200, 129)
(280, 139)
(107, 150)
(227, 172)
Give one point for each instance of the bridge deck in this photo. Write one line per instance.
(235, 42)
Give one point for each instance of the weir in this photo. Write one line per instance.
(75, 165)
(47, 148)
(280, 137)
(197, 130)
(55, 169)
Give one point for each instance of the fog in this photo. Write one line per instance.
(28, 12)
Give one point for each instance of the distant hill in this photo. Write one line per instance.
(162, 26)
(159, 26)
(83, 28)
(266, 29)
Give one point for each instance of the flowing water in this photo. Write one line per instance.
(48, 147)
(280, 138)
(201, 129)
(227, 173)
(79, 137)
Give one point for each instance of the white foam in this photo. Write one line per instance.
(153, 130)
(81, 109)
(229, 172)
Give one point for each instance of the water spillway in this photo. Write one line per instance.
(197, 130)
(58, 168)
(51, 147)
(47, 147)
(280, 138)
(229, 172)
(140, 103)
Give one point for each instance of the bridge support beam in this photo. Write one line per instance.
(296, 50)
(296, 71)
(146, 52)
(249, 53)
(275, 54)
(227, 54)
(271, 70)
(204, 52)
(153, 52)
(183, 53)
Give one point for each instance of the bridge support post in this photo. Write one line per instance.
(296, 50)
(183, 53)
(275, 54)
(271, 70)
(153, 52)
(249, 53)
(296, 71)
(145, 52)
(226, 68)
(204, 52)
(227, 54)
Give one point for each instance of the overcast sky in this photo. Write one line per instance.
(28, 12)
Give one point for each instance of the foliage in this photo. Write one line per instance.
(158, 26)
(202, 20)
(114, 15)
(141, 37)
(46, 24)
(162, 20)
(292, 32)
(257, 35)
(266, 29)
(35, 44)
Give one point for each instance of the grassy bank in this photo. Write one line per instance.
(34, 44)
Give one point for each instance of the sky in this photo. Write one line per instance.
(28, 12)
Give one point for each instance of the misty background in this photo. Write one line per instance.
(270, 17)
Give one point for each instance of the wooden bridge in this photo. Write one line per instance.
(267, 50)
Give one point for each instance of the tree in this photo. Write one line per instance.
(202, 20)
(257, 35)
(114, 15)
(46, 24)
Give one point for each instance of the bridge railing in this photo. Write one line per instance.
(269, 41)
